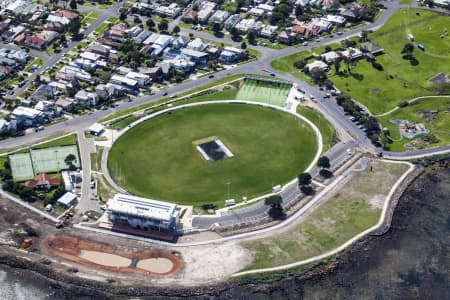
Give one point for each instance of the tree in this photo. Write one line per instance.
(318, 75)
(337, 66)
(276, 210)
(235, 34)
(300, 64)
(304, 179)
(273, 201)
(323, 162)
(137, 20)
(150, 23)
(216, 28)
(163, 25)
(176, 30)
(70, 159)
(74, 27)
(408, 49)
(364, 36)
(123, 15)
(251, 36)
(244, 45)
(299, 11)
(73, 4)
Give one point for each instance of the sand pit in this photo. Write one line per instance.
(158, 265)
(103, 256)
(106, 259)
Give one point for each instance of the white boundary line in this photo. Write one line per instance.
(278, 108)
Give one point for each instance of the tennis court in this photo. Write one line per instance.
(21, 166)
(26, 166)
(264, 91)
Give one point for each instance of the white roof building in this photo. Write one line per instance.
(67, 200)
(27, 112)
(330, 56)
(143, 213)
(219, 17)
(317, 64)
(196, 44)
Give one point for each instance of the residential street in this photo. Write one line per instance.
(329, 108)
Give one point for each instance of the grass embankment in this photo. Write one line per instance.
(70, 139)
(432, 112)
(400, 81)
(166, 99)
(158, 159)
(326, 129)
(355, 207)
(122, 123)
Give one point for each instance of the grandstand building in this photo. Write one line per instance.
(142, 213)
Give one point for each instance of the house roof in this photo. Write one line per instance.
(42, 178)
(34, 40)
(71, 15)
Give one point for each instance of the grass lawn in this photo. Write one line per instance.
(70, 139)
(96, 159)
(120, 124)
(162, 100)
(439, 124)
(381, 91)
(351, 210)
(158, 159)
(326, 129)
(37, 61)
(264, 92)
(90, 17)
(286, 64)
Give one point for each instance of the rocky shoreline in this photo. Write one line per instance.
(67, 285)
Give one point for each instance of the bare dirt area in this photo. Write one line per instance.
(71, 255)
(103, 256)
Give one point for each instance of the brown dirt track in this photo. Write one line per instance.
(69, 248)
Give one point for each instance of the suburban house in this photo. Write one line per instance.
(231, 55)
(85, 98)
(231, 21)
(218, 17)
(196, 44)
(205, 11)
(27, 116)
(65, 104)
(195, 56)
(317, 64)
(43, 182)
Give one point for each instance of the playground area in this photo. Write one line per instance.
(27, 165)
(264, 90)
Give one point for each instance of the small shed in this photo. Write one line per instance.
(96, 129)
(67, 200)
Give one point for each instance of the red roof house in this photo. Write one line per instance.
(43, 181)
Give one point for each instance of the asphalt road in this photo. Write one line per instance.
(261, 66)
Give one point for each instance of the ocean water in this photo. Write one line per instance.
(410, 261)
(13, 286)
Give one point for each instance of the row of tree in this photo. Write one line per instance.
(304, 181)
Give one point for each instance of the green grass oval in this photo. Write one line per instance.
(157, 159)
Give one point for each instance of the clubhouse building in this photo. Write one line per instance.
(142, 213)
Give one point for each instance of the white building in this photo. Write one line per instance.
(317, 64)
(196, 45)
(67, 200)
(142, 213)
(142, 79)
(86, 98)
(219, 17)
